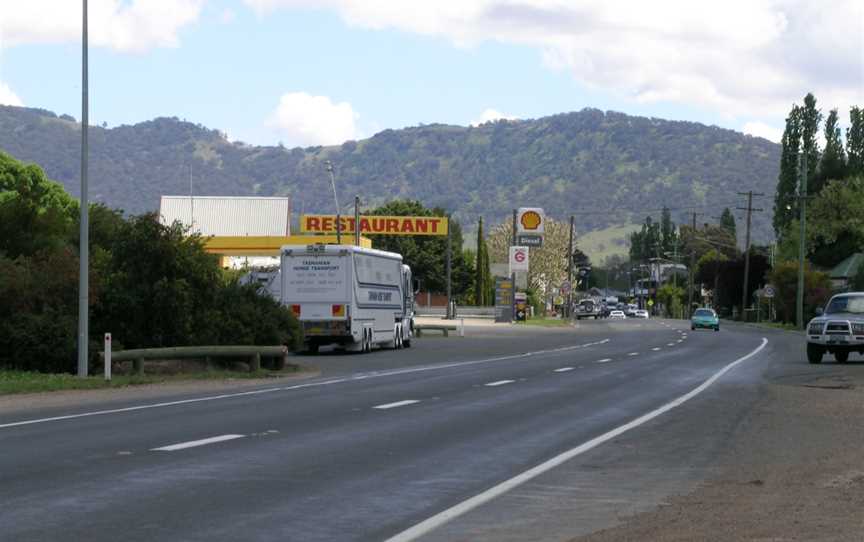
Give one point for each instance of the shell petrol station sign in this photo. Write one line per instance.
(530, 223)
(376, 225)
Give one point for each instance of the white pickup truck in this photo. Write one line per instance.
(838, 329)
(348, 296)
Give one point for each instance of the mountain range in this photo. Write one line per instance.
(608, 169)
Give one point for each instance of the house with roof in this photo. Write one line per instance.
(841, 275)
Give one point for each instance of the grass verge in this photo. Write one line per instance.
(545, 322)
(12, 382)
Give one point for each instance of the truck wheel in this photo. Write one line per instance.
(841, 356)
(814, 353)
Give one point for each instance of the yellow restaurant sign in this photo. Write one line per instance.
(376, 225)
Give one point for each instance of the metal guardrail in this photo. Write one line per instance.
(252, 353)
(419, 329)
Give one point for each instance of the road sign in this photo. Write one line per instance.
(650, 302)
(503, 299)
(530, 220)
(518, 259)
(529, 240)
(768, 291)
(566, 287)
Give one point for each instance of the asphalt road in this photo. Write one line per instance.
(383, 442)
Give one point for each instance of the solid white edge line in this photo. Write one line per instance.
(428, 525)
(397, 404)
(329, 382)
(195, 443)
(499, 383)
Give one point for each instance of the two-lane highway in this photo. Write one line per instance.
(355, 455)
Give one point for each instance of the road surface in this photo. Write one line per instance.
(432, 443)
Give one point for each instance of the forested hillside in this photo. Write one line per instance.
(607, 168)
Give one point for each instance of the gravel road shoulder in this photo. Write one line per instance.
(794, 471)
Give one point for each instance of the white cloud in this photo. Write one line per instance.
(303, 119)
(488, 115)
(227, 16)
(760, 129)
(7, 97)
(131, 26)
(738, 58)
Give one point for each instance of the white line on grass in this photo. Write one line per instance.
(499, 383)
(196, 443)
(428, 525)
(397, 404)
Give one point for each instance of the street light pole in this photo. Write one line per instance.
(329, 165)
(84, 235)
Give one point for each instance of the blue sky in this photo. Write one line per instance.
(307, 73)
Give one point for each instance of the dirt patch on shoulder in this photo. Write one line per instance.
(24, 402)
(794, 472)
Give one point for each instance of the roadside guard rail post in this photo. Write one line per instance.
(252, 353)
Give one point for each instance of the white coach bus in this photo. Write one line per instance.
(348, 296)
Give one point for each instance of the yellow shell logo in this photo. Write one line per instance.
(530, 220)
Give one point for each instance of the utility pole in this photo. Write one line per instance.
(692, 265)
(570, 267)
(449, 264)
(84, 241)
(357, 221)
(802, 205)
(749, 210)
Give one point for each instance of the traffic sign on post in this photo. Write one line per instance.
(518, 259)
(566, 287)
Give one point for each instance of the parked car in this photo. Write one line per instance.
(838, 329)
(617, 315)
(705, 319)
(640, 313)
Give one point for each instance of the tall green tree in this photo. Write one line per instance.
(855, 141)
(668, 234)
(833, 164)
(427, 255)
(727, 222)
(482, 278)
(810, 119)
(785, 203)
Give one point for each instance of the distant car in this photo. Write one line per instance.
(838, 329)
(630, 311)
(640, 313)
(617, 315)
(705, 319)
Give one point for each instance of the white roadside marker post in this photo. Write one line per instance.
(461, 327)
(107, 357)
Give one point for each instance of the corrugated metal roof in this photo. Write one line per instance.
(228, 216)
(848, 267)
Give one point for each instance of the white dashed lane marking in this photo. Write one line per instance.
(500, 383)
(670, 344)
(563, 369)
(656, 348)
(195, 443)
(633, 354)
(604, 360)
(397, 404)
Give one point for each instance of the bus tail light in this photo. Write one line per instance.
(338, 310)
